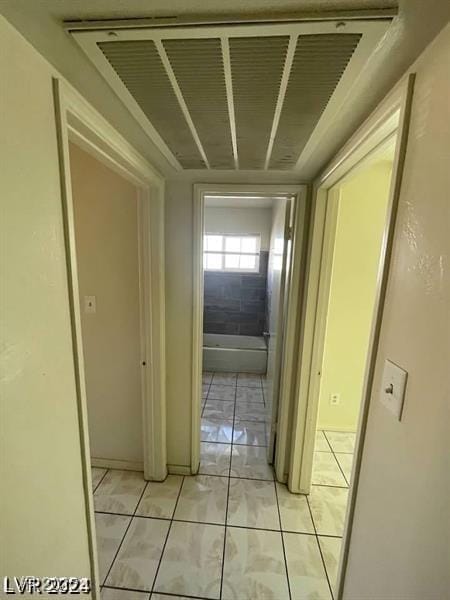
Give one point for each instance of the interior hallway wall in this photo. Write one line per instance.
(43, 524)
(106, 232)
(399, 546)
(359, 236)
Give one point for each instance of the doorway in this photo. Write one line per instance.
(246, 241)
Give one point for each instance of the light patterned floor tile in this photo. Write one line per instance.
(159, 499)
(307, 576)
(216, 431)
(224, 379)
(331, 550)
(138, 558)
(207, 377)
(218, 409)
(346, 463)
(249, 380)
(328, 507)
(222, 392)
(119, 492)
(203, 498)
(166, 597)
(294, 511)
(97, 475)
(250, 433)
(250, 411)
(254, 566)
(253, 503)
(249, 394)
(205, 390)
(215, 459)
(321, 444)
(192, 560)
(110, 530)
(341, 441)
(250, 462)
(326, 470)
(116, 594)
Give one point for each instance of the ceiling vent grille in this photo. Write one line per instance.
(317, 67)
(256, 70)
(245, 96)
(198, 68)
(139, 66)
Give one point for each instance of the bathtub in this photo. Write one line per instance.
(239, 353)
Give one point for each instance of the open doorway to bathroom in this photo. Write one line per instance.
(245, 268)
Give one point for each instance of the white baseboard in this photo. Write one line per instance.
(334, 428)
(179, 470)
(112, 463)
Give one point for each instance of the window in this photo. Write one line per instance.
(228, 252)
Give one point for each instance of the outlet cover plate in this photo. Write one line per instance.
(393, 386)
(90, 304)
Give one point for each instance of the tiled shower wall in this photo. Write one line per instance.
(235, 303)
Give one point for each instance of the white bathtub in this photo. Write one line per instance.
(239, 353)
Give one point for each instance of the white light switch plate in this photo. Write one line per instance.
(393, 386)
(90, 305)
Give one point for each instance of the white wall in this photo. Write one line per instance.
(400, 542)
(44, 529)
(240, 220)
(106, 232)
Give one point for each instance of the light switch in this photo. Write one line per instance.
(89, 304)
(393, 386)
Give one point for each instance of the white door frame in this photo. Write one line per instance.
(390, 119)
(299, 195)
(77, 121)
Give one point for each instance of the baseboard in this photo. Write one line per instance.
(111, 463)
(334, 428)
(179, 470)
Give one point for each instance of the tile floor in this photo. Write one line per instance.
(231, 532)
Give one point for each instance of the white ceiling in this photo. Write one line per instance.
(41, 22)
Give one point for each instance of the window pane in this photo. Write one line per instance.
(213, 242)
(249, 244)
(231, 261)
(233, 244)
(214, 261)
(247, 262)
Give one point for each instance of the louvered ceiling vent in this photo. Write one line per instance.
(234, 97)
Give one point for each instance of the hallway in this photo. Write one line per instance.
(231, 532)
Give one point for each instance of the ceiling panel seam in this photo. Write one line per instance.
(230, 98)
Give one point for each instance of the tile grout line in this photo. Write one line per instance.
(168, 594)
(228, 497)
(335, 458)
(282, 541)
(320, 549)
(126, 531)
(101, 479)
(167, 537)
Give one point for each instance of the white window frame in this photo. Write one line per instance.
(223, 252)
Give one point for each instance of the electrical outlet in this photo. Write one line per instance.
(335, 399)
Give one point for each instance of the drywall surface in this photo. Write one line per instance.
(359, 236)
(106, 232)
(179, 307)
(241, 221)
(43, 524)
(400, 541)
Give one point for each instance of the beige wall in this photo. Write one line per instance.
(43, 522)
(106, 232)
(240, 220)
(359, 235)
(400, 543)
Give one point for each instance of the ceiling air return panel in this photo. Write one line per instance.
(256, 70)
(141, 70)
(317, 67)
(198, 68)
(251, 96)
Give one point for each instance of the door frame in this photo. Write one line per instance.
(78, 121)
(390, 119)
(298, 193)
